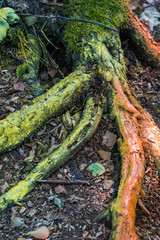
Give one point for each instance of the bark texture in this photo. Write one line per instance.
(20, 125)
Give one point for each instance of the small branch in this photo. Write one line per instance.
(63, 181)
(144, 209)
(88, 21)
(70, 19)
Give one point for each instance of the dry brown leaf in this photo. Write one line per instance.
(40, 233)
(144, 209)
(31, 144)
(108, 184)
(60, 189)
(20, 86)
(52, 72)
(109, 139)
(85, 234)
(106, 156)
(3, 187)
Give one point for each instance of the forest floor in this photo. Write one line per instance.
(69, 211)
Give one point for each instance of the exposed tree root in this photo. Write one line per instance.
(148, 50)
(131, 119)
(82, 133)
(20, 125)
(137, 131)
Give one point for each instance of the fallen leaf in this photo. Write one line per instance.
(151, 15)
(31, 144)
(30, 20)
(109, 139)
(59, 202)
(144, 209)
(108, 184)
(97, 169)
(52, 72)
(106, 156)
(17, 221)
(4, 115)
(20, 86)
(60, 189)
(4, 186)
(85, 234)
(52, 148)
(40, 233)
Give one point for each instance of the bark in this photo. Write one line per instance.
(17, 127)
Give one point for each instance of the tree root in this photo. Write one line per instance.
(17, 127)
(148, 50)
(135, 129)
(78, 137)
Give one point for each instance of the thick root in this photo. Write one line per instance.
(122, 210)
(148, 50)
(20, 125)
(79, 136)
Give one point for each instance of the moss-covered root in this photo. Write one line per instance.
(31, 56)
(148, 49)
(78, 137)
(20, 125)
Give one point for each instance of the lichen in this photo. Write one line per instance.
(112, 13)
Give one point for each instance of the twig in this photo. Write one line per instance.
(88, 21)
(144, 209)
(70, 19)
(63, 181)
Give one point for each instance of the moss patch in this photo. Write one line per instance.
(112, 13)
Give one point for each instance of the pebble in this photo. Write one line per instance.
(22, 210)
(82, 166)
(32, 212)
(84, 227)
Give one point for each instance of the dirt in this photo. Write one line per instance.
(72, 213)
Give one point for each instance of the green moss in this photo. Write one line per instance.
(111, 12)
